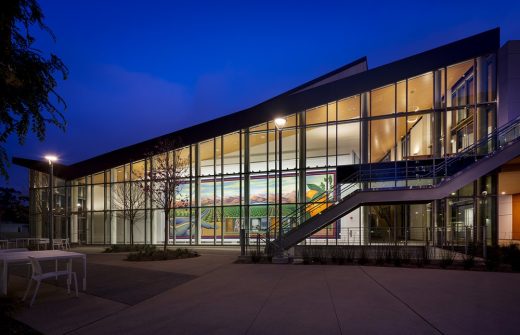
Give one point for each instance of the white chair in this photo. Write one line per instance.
(38, 275)
(58, 243)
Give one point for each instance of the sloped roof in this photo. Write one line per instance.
(348, 80)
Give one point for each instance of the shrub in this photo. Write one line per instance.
(468, 262)
(114, 248)
(362, 259)
(306, 256)
(493, 259)
(388, 255)
(424, 257)
(337, 255)
(153, 254)
(397, 257)
(256, 256)
(349, 254)
(447, 258)
(380, 255)
(317, 255)
(512, 256)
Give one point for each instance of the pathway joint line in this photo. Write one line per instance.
(264, 303)
(332, 301)
(401, 301)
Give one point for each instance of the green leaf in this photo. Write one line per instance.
(315, 187)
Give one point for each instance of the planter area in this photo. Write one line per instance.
(502, 259)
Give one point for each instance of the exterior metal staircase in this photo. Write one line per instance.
(398, 185)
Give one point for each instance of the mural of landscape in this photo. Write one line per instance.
(262, 193)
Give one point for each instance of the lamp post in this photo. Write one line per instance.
(279, 122)
(51, 159)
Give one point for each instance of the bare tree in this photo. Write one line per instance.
(169, 167)
(130, 197)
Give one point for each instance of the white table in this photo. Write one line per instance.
(46, 255)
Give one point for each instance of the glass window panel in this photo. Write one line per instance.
(382, 140)
(272, 188)
(207, 192)
(419, 130)
(258, 218)
(272, 147)
(182, 224)
(402, 140)
(99, 197)
(316, 115)
(208, 225)
(291, 121)
(138, 170)
(183, 159)
(420, 92)
(98, 178)
(231, 222)
(348, 143)
(231, 153)
(457, 75)
(232, 191)
(288, 189)
(218, 192)
(331, 111)
(258, 151)
(316, 146)
(260, 127)
(218, 155)
(383, 101)
(289, 149)
(401, 97)
(332, 138)
(349, 108)
(207, 157)
(98, 225)
(258, 189)
(182, 195)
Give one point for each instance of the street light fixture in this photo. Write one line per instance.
(280, 122)
(51, 159)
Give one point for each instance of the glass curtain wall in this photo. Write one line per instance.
(232, 181)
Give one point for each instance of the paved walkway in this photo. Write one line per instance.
(218, 297)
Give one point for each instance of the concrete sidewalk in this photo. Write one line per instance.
(225, 298)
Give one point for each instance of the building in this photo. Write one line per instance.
(428, 142)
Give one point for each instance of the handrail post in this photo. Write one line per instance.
(484, 244)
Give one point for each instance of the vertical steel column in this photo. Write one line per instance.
(51, 204)
(481, 118)
(280, 230)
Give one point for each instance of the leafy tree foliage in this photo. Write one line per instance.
(28, 98)
(14, 206)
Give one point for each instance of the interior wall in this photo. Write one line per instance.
(505, 217)
(516, 217)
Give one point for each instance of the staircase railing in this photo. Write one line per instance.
(407, 177)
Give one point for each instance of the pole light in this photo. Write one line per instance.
(51, 159)
(280, 123)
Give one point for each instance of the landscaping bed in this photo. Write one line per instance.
(154, 254)
(500, 259)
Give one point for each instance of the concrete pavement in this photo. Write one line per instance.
(225, 298)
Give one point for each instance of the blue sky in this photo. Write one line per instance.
(139, 69)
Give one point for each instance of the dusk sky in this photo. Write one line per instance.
(140, 69)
